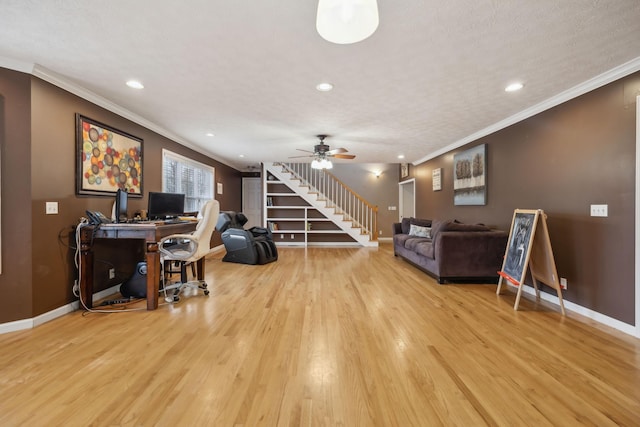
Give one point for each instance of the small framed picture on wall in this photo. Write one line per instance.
(404, 170)
(436, 177)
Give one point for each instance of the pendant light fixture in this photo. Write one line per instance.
(346, 21)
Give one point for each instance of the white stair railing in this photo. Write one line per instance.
(338, 196)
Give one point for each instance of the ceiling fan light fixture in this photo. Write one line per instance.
(346, 21)
(321, 164)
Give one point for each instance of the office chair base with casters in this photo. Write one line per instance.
(172, 291)
(178, 288)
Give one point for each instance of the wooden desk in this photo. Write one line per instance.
(151, 233)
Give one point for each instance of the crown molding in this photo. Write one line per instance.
(15, 65)
(569, 94)
(64, 83)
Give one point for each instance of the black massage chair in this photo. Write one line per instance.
(252, 246)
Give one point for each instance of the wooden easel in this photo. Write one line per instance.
(529, 245)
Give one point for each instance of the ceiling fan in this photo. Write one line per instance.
(322, 151)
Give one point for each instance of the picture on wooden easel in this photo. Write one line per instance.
(519, 243)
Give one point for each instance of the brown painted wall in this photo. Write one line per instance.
(40, 166)
(563, 160)
(15, 191)
(382, 191)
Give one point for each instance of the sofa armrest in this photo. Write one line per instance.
(470, 254)
(396, 228)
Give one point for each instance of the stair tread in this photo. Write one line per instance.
(323, 205)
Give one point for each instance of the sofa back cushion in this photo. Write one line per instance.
(437, 226)
(421, 222)
(458, 226)
(405, 224)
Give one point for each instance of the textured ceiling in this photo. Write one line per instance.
(432, 75)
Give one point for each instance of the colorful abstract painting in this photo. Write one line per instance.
(108, 159)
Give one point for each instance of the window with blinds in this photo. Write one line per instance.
(183, 175)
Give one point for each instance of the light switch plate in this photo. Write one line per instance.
(600, 210)
(51, 208)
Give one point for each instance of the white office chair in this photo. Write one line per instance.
(189, 248)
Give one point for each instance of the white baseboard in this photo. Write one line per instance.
(31, 323)
(323, 244)
(17, 325)
(583, 311)
(317, 244)
(54, 314)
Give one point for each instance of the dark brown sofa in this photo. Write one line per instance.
(450, 250)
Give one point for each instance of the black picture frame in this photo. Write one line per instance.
(107, 159)
(404, 170)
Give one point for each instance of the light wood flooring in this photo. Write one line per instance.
(323, 337)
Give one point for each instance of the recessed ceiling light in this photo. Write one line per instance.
(401, 156)
(324, 87)
(241, 155)
(210, 134)
(135, 84)
(513, 87)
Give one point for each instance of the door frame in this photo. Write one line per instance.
(259, 201)
(637, 263)
(401, 198)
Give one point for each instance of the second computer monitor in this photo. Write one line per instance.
(165, 205)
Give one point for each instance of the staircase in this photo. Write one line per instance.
(331, 197)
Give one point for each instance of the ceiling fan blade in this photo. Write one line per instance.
(343, 156)
(298, 157)
(306, 151)
(337, 150)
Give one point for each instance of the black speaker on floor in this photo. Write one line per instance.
(136, 286)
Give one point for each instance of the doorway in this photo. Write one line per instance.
(407, 203)
(251, 201)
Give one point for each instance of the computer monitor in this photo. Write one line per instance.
(165, 205)
(120, 209)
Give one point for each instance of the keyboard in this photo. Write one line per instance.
(174, 221)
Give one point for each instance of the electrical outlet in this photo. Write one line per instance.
(51, 208)
(292, 237)
(282, 236)
(563, 282)
(112, 273)
(600, 210)
(379, 232)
